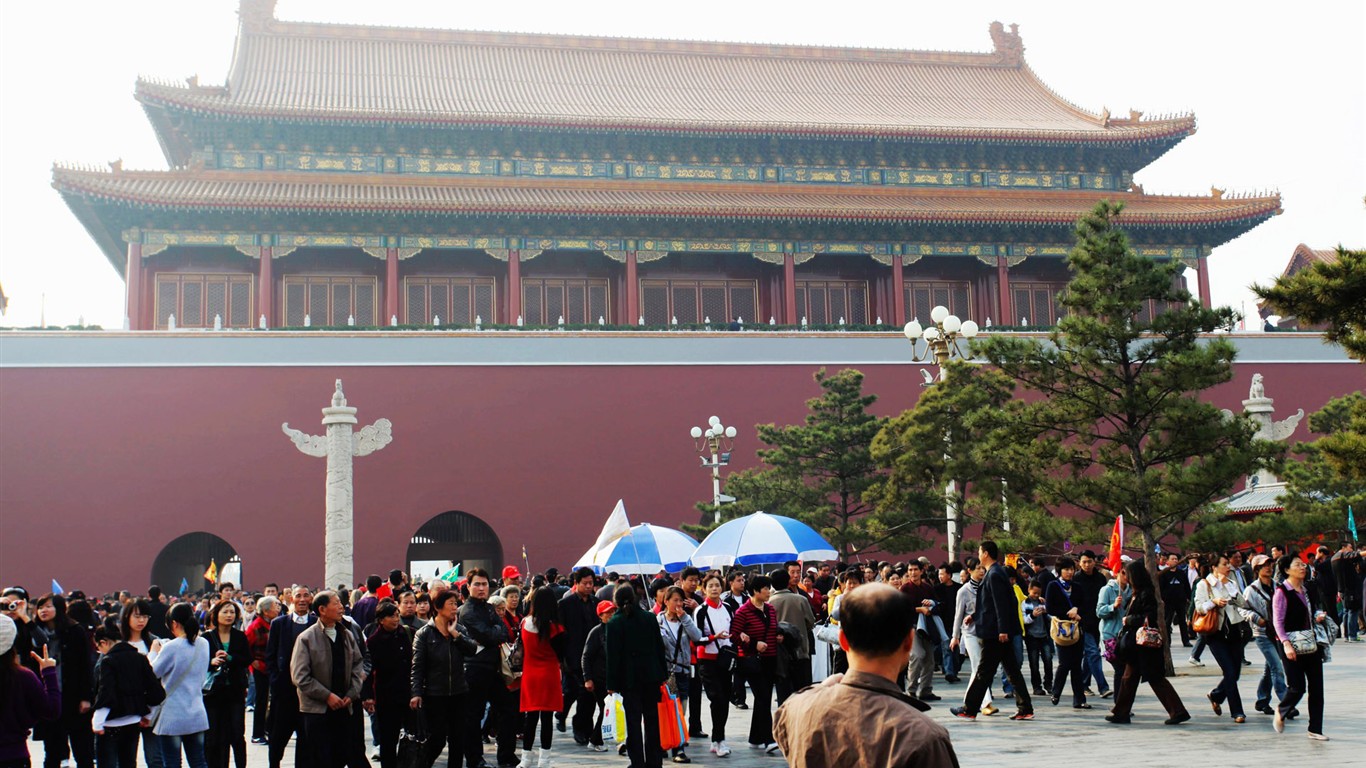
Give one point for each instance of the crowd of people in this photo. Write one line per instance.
(484, 664)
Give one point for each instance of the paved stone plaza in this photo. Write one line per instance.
(1084, 734)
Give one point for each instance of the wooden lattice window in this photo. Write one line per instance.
(693, 301)
(330, 299)
(580, 301)
(456, 300)
(196, 299)
(924, 295)
(824, 302)
(1036, 303)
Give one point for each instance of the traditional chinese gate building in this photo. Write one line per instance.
(397, 175)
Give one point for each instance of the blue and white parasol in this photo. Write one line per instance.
(762, 538)
(644, 549)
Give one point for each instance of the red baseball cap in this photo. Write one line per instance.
(606, 606)
(511, 572)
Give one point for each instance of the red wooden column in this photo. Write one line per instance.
(632, 290)
(132, 278)
(514, 286)
(789, 289)
(265, 295)
(390, 285)
(1202, 272)
(1003, 292)
(898, 291)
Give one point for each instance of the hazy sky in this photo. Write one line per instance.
(1279, 90)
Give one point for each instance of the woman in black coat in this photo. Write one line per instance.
(1143, 661)
(386, 689)
(70, 645)
(126, 689)
(225, 700)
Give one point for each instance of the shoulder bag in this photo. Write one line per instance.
(1207, 623)
(1064, 632)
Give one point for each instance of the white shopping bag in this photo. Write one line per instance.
(613, 720)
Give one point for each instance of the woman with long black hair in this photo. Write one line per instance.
(635, 669)
(70, 735)
(133, 622)
(543, 644)
(183, 665)
(1058, 599)
(1142, 661)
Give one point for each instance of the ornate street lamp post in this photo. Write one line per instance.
(943, 342)
(719, 440)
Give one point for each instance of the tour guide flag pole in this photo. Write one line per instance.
(1351, 523)
(616, 526)
(1113, 562)
(57, 588)
(211, 575)
(184, 585)
(452, 574)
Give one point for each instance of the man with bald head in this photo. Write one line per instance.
(813, 727)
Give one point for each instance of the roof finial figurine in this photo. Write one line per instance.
(116, 165)
(338, 398)
(256, 15)
(1009, 46)
(1216, 193)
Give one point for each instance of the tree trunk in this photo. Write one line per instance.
(1150, 562)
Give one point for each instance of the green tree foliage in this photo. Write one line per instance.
(1120, 427)
(1328, 476)
(819, 472)
(1334, 294)
(957, 432)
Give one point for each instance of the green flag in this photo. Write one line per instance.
(452, 574)
(1351, 522)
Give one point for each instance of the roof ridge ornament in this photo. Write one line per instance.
(256, 15)
(1009, 46)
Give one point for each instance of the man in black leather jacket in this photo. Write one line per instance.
(483, 626)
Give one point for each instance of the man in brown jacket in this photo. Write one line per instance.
(813, 727)
(327, 670)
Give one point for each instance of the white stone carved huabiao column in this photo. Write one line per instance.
(1259, 408)
(339, 445)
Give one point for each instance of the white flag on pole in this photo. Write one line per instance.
(616, 526)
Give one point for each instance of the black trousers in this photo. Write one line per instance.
(578, 697)
(716, 674)
(227, 729)
(1040, 650)
(391, 712)
(1070, 659)
(447, 722)
(329, 737)
(486, 687)
(1303, 674)
(995, 654)
(71, 728)
(118, 747)
(599, 699)
(285, 722)
(642, 727)
(695, 703)
(260, 717)
(760, 673)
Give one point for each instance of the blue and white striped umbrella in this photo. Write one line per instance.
(644, 549)
(762, 538)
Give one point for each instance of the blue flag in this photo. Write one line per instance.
(184, 586)
(1351, 525)
(57, 588)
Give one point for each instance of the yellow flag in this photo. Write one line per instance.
(211, 575)
(1012, 559)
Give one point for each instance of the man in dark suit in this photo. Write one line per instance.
(284, 720)
(997, 619)
(156, 618)
(1176, 594)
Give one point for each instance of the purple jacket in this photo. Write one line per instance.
(29, 701)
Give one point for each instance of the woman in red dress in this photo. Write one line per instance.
(542, 647)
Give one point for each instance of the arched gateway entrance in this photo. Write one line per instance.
(188, 557)
(453, 538)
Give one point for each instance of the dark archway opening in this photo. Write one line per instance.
(449, 539)
(186, 559)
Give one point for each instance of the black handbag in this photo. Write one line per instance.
(412, 741)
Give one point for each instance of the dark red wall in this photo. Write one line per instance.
(101, 467)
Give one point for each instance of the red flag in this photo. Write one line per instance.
(1113, 561)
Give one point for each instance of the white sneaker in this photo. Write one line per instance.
(721, 749)
(544, 762)
(598, 747)
(1317, 737)
(771, 749)
(527, 760)
(1194, 662)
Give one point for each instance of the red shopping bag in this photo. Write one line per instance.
(673, 729)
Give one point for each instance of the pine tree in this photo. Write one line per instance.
(1120, 425)
(1330, 293)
